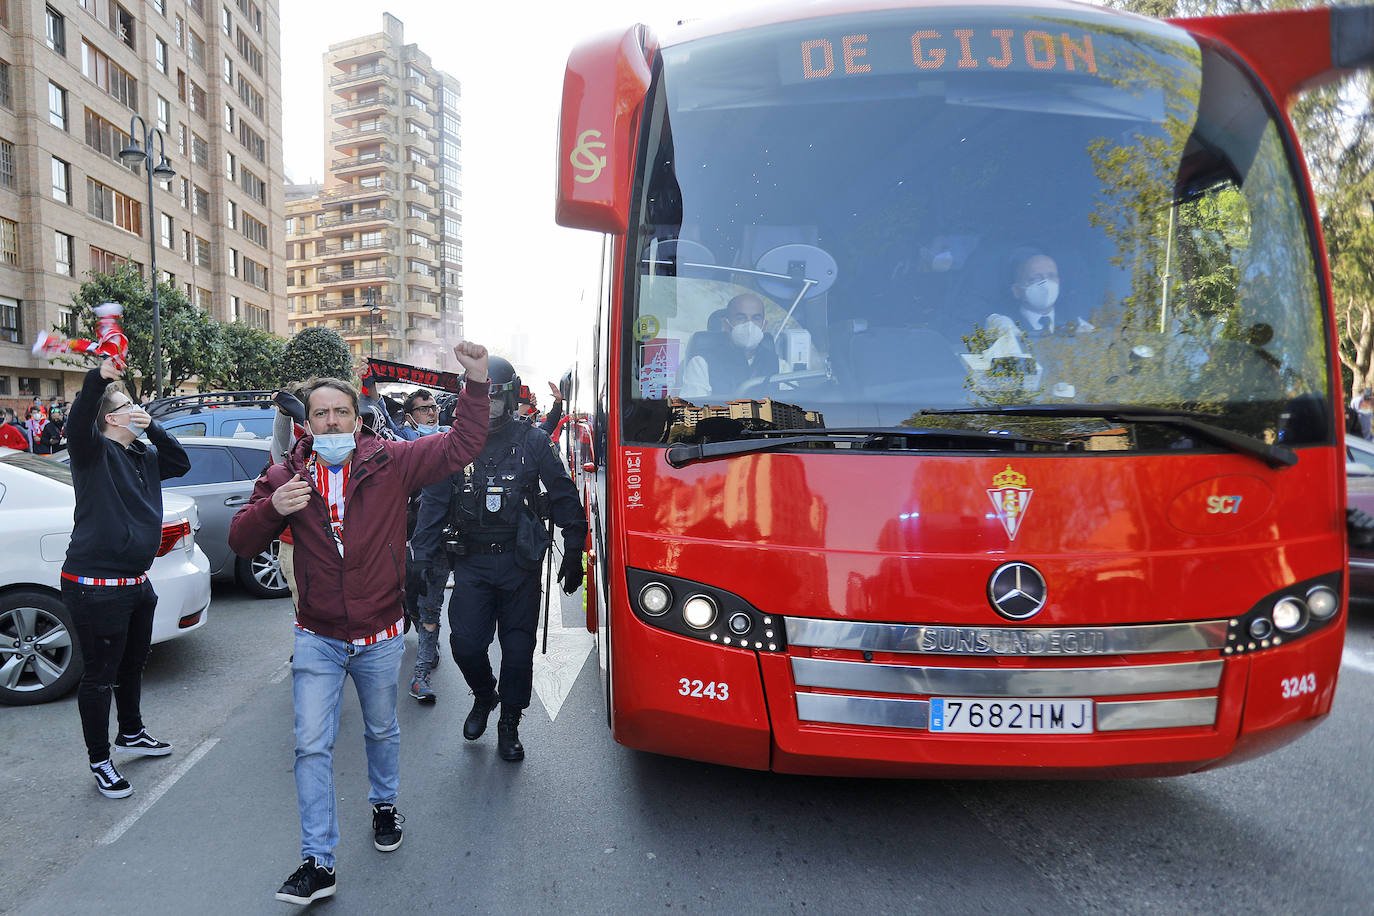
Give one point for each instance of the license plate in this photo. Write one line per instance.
(1011, 716)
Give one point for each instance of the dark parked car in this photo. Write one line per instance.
(235, 414)
(1360, 494)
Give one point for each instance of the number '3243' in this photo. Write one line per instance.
(1297, 686)
(711, 690)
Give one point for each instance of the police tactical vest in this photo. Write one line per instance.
(490, 495)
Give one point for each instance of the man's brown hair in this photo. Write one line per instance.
(315, 384)
(107, 402)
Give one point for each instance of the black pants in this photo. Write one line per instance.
(114, 624)
(493, 595)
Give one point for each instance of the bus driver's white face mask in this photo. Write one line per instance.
(1042, 295)
(747, 335)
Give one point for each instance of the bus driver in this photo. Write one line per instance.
(725, 360)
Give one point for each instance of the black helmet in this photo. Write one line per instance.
(505, 387)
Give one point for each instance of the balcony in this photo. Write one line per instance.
(422, 281)
(372, 73)
(356, 277)
(348, 248)
(371, 215)
(421, 170)
(381, 100)
(378, 331)
(363, 163)
(419, 87)
(363, 50)
(356, 136)
(354, 305)
(421, 253)
(418, 115)
(348, 191)
(418, 334)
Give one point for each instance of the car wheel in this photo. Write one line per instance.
(261, 575)
(40, 657)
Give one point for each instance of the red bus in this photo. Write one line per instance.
(1034, 468)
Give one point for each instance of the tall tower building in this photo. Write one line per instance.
(378, 253)
(208, 75)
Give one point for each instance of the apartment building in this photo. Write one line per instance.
(207, 74)
(378, 253)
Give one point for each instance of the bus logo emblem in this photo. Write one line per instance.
(584, 158)
(1017, 590)
(1010, 496)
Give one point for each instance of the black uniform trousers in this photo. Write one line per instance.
(114, 625)
(492, 594)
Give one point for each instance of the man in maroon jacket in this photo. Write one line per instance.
(343, 491)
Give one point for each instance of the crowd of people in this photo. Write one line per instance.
(41, 429)
(376, 509)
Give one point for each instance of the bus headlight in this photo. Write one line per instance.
(655, 599)
(699, 612)
(1289, 614)
(1322, 602)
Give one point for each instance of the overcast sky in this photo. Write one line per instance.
(522, 272)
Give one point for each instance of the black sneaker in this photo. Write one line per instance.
(108, 780)
(311, 881)
(142, 743)
(386, 827)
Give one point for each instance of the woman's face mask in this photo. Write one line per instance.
(746, 335)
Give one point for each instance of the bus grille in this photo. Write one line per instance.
(846, 692)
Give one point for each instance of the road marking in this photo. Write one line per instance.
(555, 672)
(151, 798)
(1352, 659)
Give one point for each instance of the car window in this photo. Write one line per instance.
(252, 427)
(186, 429)
(209, 464)
(1360, 456)
(251, 461)
(39, 465)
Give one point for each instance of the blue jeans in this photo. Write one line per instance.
(318, 671)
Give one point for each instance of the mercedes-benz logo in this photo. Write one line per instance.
(1017, 590)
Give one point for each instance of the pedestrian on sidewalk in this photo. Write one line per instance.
(343, 490)
(116, 533)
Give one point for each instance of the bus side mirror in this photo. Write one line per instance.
(603, 93)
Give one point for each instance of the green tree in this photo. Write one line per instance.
(192, 344)
(315, 352)
(1335, 125)
(253, 359)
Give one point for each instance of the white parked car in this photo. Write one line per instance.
(40, 657)
(1359, 457)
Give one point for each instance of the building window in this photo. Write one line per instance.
(9, 241)
(107, 204)
(255, 186)
(256, 317)
(61, 181)
(10, 329)
(250, 96)
(200, 150)
(228, 70)
(229, 117)
(200, 102)
(252, 142)
(160, 54)
(164, 115)
(226, 21)
(202, 252)
(122, 24)
(161, 7)
(255, 231)
(64, 246)
(66, 321)
(231, 164)
(6, 98)
(107, 262)
(168, 233)
(105, 138)
(57, 106)
(201, 201)
(97, 67)
(6, 164)
(195, 48)
(57, 31)
(248, 51)
(233, 262)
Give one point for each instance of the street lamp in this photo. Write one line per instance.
(372, 312)
(133, 155)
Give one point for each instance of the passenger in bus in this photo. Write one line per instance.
(721, 362)
(1034, 288)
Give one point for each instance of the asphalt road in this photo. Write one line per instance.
(586, 826)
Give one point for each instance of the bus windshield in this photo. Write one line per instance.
(873, 220)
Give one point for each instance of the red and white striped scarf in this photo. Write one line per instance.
(332, 482)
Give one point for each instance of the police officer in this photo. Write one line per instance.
(488, 520)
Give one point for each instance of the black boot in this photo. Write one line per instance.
(508, 735)
(476, 722)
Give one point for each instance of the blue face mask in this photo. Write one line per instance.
(334, 448)
(427, 430)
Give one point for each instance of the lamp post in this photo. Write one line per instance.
(132, 155)
(372, 312)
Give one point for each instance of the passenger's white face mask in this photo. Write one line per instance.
(1041, 296)
(746, 335)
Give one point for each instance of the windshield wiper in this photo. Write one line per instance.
(1276, 456)
(682, 453)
